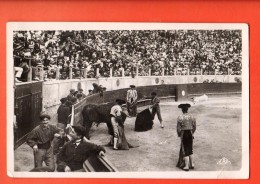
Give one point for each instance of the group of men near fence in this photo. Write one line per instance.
(45, 138)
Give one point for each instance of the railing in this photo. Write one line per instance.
(42, 74)
(98, 164)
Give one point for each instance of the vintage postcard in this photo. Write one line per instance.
(127, 100)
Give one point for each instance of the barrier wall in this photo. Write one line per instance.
(174, 91)
(116, 87)
(213, 89)
(53, 91)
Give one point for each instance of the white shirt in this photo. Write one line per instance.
(131, 95)
(116, 110)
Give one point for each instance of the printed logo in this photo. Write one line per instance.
(224, 161)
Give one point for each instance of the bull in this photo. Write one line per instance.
(99, 114)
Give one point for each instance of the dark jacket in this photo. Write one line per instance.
(74, 156)
(63, 114)
(41, 136)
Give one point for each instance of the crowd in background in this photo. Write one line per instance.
(151, 51)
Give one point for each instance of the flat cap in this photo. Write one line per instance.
(43, 116)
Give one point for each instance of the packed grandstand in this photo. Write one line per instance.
(128, 52)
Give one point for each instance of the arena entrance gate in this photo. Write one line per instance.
(27, 107)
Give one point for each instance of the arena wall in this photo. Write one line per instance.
(165, 86)
(53, 91)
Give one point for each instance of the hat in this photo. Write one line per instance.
(120, 101)
(80, 89)
(184, 106)
(132, 86)
(63, 100)
(42, 116)
(80, 130)
(72, 90)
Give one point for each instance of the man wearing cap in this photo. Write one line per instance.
(156, 108)
(131, 100)
(71, 95)
(186, 126)
(81, 95)
(74, 153)
(40, 140)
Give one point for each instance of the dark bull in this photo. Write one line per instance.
(98, 114)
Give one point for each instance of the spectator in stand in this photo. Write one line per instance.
(18, 74)
(168, 50)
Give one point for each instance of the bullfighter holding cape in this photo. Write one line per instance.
(119, 138)
(186, 126)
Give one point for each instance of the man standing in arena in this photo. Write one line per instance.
(116, 120)
(74, 153)
(156, 108)
(131, 101)
(40, 140)
(186, 126)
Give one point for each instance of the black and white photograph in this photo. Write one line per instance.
(128, 100)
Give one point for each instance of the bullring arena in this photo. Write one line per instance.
(217, 138)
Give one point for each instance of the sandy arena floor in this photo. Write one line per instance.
(218, 136)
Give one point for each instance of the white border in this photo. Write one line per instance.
(241, 174)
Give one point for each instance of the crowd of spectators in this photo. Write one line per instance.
(153, 51)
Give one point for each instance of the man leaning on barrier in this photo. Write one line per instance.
(74, 153)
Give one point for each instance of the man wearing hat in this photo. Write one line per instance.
(71, 95)
(40, 140)
(156, 108)
(186, 126)
(131, 101)
(74, 153)
(80, 94)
